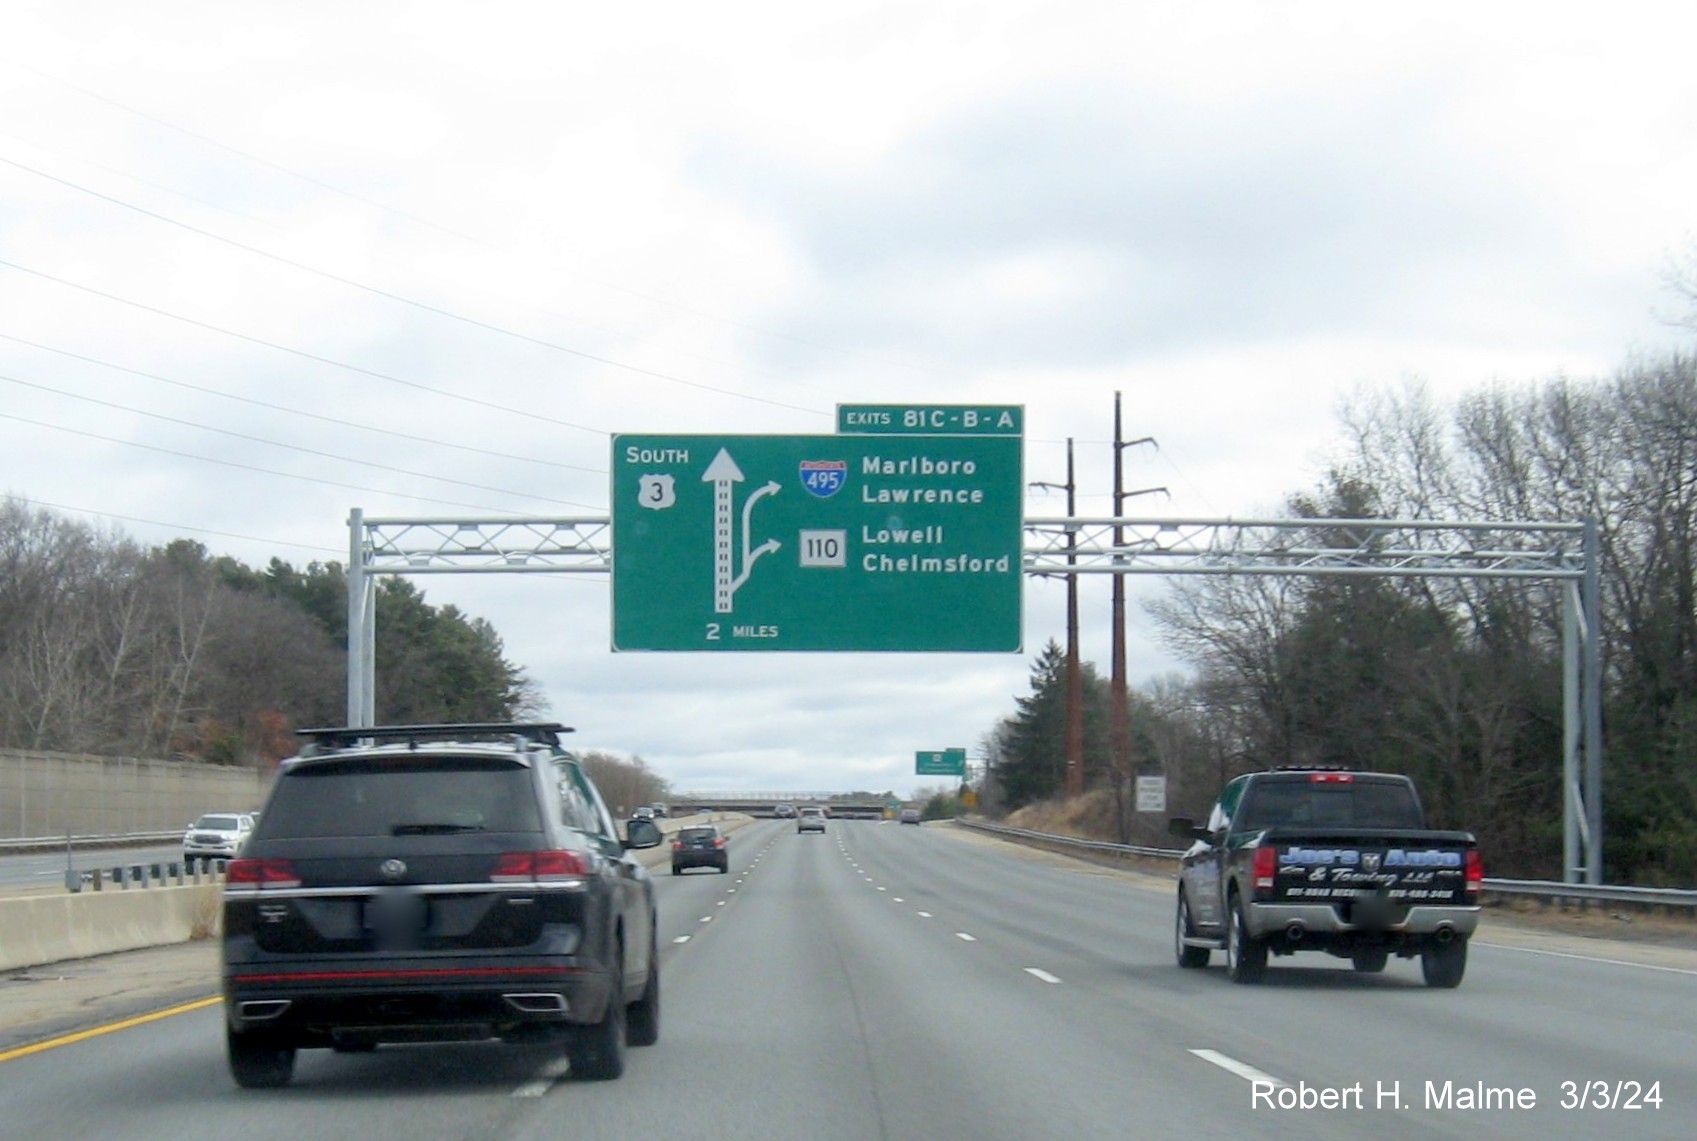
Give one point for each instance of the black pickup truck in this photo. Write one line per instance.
(1322, 860)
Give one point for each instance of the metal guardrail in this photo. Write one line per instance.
(58, 843)
(1595, 893)
(1537, 889)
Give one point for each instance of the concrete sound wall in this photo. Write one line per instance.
(50, 794)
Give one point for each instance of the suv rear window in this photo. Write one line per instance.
(402, 796)
(688, 834)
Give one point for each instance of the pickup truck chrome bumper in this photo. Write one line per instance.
(1277, 920)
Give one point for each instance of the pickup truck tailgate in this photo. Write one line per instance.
(1421, 869)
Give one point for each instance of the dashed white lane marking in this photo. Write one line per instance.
(1232, 1065)
(962, 935)
(1040, 973)
(681, 939)
(924, 914)
(706, 919)
(883, 889)
(897, 899)
(544, 1080)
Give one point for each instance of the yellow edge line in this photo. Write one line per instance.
(81, 1035)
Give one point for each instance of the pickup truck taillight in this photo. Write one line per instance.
(1475, 872)
(1265, 869)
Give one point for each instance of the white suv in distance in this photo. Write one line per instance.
(811, 818)
(216, 836)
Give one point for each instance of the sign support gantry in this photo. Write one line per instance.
(1564, 552)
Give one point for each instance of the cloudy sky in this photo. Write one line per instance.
(264, 263)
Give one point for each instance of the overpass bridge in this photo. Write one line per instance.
(843, 806)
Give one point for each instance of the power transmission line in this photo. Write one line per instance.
(191, 387)
(402, 299)
(342, 457)
(261, 470)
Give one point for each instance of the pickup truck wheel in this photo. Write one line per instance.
(1444, 965)
(1371, 960)
(1246, 956)
(1188, 957)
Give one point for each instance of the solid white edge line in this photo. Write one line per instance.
(1040, 973)
(1582, 958)
(1232, 1065)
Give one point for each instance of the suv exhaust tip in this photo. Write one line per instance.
(1295, 933)
(262, 1010)
(543, 1003)
(1444, 934)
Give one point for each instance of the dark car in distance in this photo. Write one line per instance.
(700, 846)
(430, 883)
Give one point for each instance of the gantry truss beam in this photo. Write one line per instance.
(1077, 545)
(487, 546)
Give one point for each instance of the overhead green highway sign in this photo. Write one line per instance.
(940, 763)
(845, 542)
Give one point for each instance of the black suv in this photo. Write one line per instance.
(700, 846)
(424, 883)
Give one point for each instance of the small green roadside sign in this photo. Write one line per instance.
(940, 763)
(842, 543)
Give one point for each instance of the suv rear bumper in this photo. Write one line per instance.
(318, 1002)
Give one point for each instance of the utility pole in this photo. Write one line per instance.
(1119, 696)
(1075, 677)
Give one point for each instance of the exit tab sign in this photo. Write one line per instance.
(931, 419)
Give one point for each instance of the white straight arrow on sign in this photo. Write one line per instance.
(722, 473)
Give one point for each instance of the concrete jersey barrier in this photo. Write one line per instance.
(40, 929)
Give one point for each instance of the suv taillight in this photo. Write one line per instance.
(272, 873)
(1265, 868)
(1475, 872)
(524, 867)
(719, 842)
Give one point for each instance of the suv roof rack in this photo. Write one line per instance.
(332, 738)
